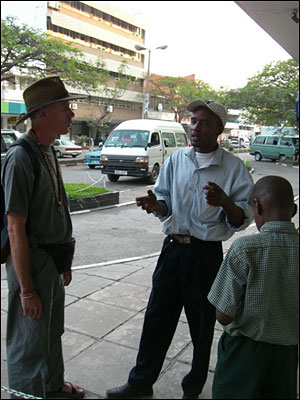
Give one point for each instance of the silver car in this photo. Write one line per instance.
(66, 148)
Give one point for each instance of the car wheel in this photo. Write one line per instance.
(257, 156)
(154, 174)
(113, 178)
(58, 154)
(92, 166)
(281, 157)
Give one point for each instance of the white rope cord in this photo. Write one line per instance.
(87, 175)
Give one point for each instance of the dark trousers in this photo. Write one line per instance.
(182, 278)
(248, 369)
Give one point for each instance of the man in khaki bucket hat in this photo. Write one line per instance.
(41, 246)
(44, 92)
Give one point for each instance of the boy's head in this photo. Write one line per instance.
(272, 200)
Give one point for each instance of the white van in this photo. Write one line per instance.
(139, 147)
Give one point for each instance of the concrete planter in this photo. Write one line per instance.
(100, 200)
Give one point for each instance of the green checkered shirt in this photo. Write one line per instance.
(258, 285)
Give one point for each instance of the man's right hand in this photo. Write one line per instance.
(148, 203)
(32, 306)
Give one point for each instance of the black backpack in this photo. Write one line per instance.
(5, 246)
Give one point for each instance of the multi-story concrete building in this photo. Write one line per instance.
(98, 30)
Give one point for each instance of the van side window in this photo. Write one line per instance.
(169, 139)
(272, 140)
(259, 139)
(154, 139)
(285, 142)
(180, 139)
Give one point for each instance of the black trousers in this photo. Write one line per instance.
(182, 278)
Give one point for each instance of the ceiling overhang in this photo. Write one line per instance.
(278, 19)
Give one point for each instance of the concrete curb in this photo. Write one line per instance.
(94, 202)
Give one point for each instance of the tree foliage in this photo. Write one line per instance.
(178, 92)
(269, 97)
(100, 112)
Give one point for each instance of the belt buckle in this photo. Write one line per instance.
(186, 240)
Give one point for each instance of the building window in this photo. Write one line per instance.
(106, 17)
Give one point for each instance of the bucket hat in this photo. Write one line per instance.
(217, 108)
(44, 92)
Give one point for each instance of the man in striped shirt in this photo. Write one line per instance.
(256, 295)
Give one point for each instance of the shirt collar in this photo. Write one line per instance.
(215, 160)
(279, 226)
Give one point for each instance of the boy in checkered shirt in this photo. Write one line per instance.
(256, 295)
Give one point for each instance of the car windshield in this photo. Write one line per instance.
(8, 139)
(127, 138)
(67, 143)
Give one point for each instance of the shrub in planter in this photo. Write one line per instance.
(82, 197)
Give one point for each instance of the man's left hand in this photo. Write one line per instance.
(67, 277)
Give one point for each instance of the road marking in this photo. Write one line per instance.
(102, 208)
(120, 261)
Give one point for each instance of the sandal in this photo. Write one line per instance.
(68, 391)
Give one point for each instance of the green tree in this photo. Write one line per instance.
(178, 92)
(269, 97)
(111, 93)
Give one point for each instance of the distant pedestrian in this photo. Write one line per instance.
(256, 295)
(106, 134)
(42, 248)
(203, 195)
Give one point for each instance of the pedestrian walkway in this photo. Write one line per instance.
(105, 308)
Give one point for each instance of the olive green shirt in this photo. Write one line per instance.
(34, 199)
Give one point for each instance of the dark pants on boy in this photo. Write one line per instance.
(248, 369)
(182, 278)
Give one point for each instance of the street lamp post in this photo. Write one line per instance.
(147, 95)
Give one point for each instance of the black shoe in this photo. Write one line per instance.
(190, 396)
(128, 392)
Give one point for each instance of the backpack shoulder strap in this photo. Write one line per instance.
(26, 146)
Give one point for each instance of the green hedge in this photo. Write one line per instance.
(73, 192)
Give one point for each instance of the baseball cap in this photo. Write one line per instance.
(215, 107)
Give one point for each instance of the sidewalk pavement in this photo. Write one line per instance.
(104, 313)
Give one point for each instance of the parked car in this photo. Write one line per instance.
(92, 158)
(66, 148)
(274, 147)
(8, 137)
(234, 142)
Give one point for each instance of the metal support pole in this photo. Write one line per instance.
(147, 96)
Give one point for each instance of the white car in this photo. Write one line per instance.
(234, 142)
(66, 148)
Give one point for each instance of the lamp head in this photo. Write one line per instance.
(162, 47)
(139, 47)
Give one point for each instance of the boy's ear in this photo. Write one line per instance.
(295, 210)
(258, 206)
